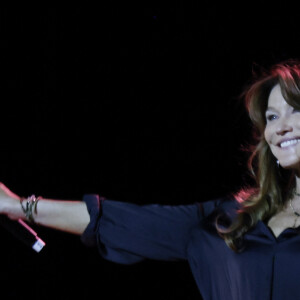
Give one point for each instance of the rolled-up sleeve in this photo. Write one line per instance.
(128, 233)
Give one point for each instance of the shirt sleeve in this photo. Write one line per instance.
(128, 233)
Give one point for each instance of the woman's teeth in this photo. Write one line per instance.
(289, 143)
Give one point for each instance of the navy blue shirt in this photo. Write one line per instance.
(267, 269)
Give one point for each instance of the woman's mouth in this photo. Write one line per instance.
(289, 143)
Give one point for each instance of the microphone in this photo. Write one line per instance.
(23, 232)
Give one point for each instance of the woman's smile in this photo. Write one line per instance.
(282, 131)
(288, 143)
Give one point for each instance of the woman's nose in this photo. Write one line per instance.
(284, 127)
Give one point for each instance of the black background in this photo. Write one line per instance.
(135, 102)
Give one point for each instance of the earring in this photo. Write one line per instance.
(277, 162)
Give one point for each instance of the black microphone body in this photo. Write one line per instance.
(23, 232)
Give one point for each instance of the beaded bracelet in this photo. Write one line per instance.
(30, 207)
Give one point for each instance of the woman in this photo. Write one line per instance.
(244, 246)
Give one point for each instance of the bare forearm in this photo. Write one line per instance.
(69, 216)
(64, 215)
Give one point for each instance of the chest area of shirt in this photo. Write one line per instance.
(260, 244)
(266, 263)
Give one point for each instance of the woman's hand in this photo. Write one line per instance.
(9, 203)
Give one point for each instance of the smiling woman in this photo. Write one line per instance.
(243, 246)
(273, 102)
(282, 131)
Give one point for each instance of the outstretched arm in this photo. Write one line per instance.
(64, 215)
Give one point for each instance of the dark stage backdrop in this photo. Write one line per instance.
(137, 103)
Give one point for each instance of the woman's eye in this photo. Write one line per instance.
(271, 117)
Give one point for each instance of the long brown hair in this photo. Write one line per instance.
(272, 184)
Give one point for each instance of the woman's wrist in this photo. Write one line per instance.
(12, 208)
(29, 207)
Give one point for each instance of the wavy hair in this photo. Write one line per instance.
(273, 185)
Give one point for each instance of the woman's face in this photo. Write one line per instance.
(282, 131)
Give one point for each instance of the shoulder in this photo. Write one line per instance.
(221, 211)
(227, 204)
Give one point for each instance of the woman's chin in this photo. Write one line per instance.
(290, 165)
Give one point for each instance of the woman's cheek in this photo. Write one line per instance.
(298, 150)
